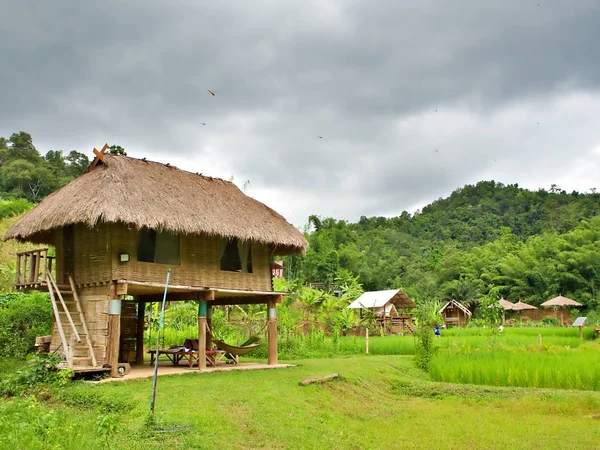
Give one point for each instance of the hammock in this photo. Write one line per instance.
(251, 344)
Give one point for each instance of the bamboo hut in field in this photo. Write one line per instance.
(116, 230)
(390, 307)
(455, 313)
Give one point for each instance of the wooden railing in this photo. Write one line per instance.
(32, 267)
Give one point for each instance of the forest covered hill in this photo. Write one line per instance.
(487, 239)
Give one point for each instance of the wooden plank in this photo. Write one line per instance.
(18, 270)
(45, 264)
(38, 256)
(99, 156)
(29, 251)
(61, 331)
(333, 376)
(83, 321)
(25, 280)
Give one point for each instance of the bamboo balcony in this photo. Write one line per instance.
(32, 268)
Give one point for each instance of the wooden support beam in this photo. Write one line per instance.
(121, 289)
(171, 297)
(114, 336)
(272, 332)
(139, 335)
(202, 310)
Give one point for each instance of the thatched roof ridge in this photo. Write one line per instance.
(149, 194)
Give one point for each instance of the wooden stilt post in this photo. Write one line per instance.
(139, 335)
(202, 307)
(367, 340)
(209, 326)
(272, 331)
(114, 334)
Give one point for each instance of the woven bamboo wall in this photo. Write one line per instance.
(92, 254)
(199, 264)
(92, 261)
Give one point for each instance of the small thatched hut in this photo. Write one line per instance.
(116, 230)
(455, 313)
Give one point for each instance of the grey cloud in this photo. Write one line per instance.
(137, 73)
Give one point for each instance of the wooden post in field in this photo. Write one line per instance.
(581, 332)
(272, 332)
(540, 339)
(139, 335)
(367, 340)
(114, 334)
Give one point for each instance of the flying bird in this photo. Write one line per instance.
(211, 92)
(203, 123)
(320, 137)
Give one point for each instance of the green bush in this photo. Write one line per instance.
(22, 318)
(550, 321)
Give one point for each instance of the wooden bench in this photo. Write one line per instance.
(176, 355)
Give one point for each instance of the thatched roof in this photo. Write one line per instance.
(152, 195)
(522, 306)
(560, 301)
(505, 304)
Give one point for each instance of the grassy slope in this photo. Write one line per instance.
(382, 402)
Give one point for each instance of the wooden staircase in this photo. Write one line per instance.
(71, 325)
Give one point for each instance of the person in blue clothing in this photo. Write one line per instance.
(437, 330)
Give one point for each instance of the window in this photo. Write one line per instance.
(235, 256)
(156, 247)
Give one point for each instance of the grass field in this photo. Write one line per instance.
(381, 402)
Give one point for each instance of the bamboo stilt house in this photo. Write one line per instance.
(392, 309)
(117, 229)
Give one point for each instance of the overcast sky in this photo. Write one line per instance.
(412, 99)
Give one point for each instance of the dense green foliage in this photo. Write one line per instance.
(26, 174)
(484, 240)
(22, 318)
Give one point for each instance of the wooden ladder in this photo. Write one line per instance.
(75, 334)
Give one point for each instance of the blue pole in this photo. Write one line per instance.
(160, 325)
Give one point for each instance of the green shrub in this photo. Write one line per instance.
(23, 317)
(550, 321)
